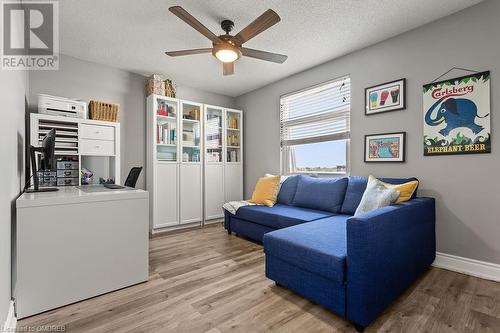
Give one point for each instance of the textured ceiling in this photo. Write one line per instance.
(133, 35)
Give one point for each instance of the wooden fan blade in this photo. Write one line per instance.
(188, 52)
(189, 19)
(263, 55)
(228, 68)
(263, 22)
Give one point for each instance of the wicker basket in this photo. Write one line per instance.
(103, 111)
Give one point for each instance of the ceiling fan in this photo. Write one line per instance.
(228, 48)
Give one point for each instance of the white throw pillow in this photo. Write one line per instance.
(282, 179)
(376, 195)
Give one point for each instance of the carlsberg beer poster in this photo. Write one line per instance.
(457, 116)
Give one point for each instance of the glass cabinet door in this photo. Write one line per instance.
(213, 135)
(191, 132)
(166, 129)
(233, 135)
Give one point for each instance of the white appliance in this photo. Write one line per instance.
(60, 106)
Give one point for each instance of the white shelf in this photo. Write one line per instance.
(233, 129)
(168, 118)
(234, 147)
(59, 127)
(167, 144)
(73, 134)
(60, 153)
(190, 120)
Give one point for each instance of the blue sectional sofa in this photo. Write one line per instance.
(353, 266)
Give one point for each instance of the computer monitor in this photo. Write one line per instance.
(47, 161)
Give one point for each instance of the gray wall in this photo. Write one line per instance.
(81, 79)
(465, 187)
(13, 87)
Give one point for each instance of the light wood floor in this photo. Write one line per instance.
(207, 281)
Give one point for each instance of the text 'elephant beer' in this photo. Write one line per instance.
(457, 116)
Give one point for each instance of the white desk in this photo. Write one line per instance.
(72, 245)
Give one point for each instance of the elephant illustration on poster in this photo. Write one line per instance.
(455, 112)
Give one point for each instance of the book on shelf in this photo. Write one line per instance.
(232, 122)
(233, 140)
(165, 134)
(192, 115)
(232, 156)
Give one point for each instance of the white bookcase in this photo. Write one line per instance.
(80, 143)
(223, 159)
(188, 174)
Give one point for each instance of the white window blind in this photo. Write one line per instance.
(317, 114)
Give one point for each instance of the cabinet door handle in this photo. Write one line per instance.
(97, 146)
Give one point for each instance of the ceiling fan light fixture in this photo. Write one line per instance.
(226, 52)
(226, 55)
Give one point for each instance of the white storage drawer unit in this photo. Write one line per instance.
(80, 143)
(74, 173)
(67, 165)
(97, 132)
(97, 147)
(67, 181)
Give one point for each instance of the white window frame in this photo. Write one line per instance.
(284, 153)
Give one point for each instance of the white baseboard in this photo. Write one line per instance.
(11, 321)
(481, 269)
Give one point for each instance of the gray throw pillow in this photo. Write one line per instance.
(376, 196)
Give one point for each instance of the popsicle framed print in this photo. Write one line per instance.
(390, 96)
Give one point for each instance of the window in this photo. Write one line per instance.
(315, 128)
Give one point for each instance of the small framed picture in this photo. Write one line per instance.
(390, 96)
(387, 147)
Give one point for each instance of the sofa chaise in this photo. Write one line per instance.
(355, 266)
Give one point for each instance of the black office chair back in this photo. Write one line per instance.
(132, 177)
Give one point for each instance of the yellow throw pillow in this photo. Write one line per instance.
(406, 190)
(266, 191)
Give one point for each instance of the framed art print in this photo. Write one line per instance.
(457, 116)
(390, 96)
(387, 147)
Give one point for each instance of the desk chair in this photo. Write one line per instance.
(132, 177)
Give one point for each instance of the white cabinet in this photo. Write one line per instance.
(214, 191)
(233, 185)
(194, 161)
(97, 132)
(167, 204)
(233, 163)
(191, 195)
(223, 159)
(97, 147)
(191, 167)
(174, 161)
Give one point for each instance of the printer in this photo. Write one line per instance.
(60, 106)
